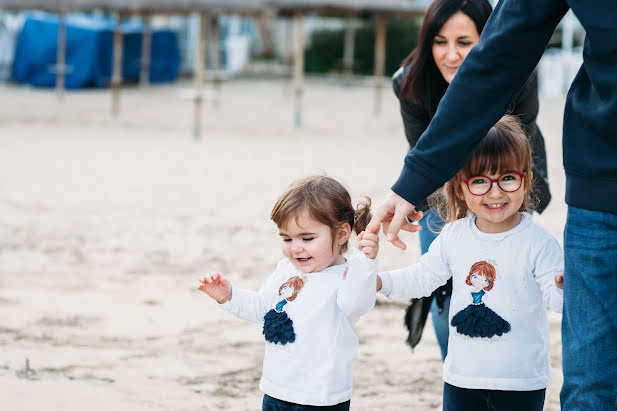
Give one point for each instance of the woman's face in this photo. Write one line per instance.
(453, 42)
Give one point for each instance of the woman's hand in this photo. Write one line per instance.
(368, 243)
(217, 287)
(393, 215)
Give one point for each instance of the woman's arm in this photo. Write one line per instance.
(415, 118)
(414, 121)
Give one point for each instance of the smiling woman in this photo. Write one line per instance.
(452, 44)
(449, 31)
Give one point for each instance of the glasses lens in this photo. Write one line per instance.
(510, 182)
(479, 185)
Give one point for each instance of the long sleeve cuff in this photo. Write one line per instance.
(386, 284)
(413, 186)
(228, 305)
(556, 303)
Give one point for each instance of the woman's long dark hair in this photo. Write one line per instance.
(423, 77)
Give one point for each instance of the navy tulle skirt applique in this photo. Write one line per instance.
(477, 320)
(278, 327)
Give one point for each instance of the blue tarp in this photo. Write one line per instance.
(89, 52)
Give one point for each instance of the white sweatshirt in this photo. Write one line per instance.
(526, 260)
(315, 369)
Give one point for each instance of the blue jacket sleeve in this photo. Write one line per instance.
(489, 79)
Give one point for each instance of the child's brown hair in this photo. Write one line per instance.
(505, 148)
(326, 201)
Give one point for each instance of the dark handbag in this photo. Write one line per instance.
(415, 318)
(417, 312)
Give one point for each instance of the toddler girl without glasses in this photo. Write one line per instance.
(311, 302)
(505, 271)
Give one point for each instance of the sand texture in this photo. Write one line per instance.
(107, 223)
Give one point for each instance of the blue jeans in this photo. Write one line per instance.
(464, 399)
(274, 404)
(431, 221)
(589, 325)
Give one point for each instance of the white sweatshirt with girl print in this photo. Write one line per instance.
(501, 337)
(316, 368)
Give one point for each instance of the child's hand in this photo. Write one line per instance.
(216, 286)
(368, 243)
(559, 280)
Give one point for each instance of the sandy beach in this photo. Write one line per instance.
(107, 223)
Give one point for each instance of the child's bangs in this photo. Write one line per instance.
(497, 154)
(288, 206)
(499, 163)
(294, 204)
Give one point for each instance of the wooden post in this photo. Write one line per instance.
(61, 57)
(198, 75)
(264, 32)
(380, 59)
(116, 78)
(146, 49)
(213, 40)
(289, 43)
(289, 55)
(298, 68)
(348, 52)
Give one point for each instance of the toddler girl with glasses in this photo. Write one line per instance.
(506, 270)
(311, 302)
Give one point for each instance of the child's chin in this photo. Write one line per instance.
(303, 268)
(306, 269)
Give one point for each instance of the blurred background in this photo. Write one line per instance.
(143, 144)
(74, 43)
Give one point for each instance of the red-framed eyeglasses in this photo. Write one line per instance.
(508, 182)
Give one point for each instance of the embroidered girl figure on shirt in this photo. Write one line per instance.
(278, 327)
(477, 320)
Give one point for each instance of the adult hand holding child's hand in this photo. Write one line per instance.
(217, 287)
(394, 215)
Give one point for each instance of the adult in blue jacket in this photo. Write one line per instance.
(493, 74)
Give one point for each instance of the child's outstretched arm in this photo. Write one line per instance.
(356, 295)
(420, 279)
(245, 304)
(216, 286)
